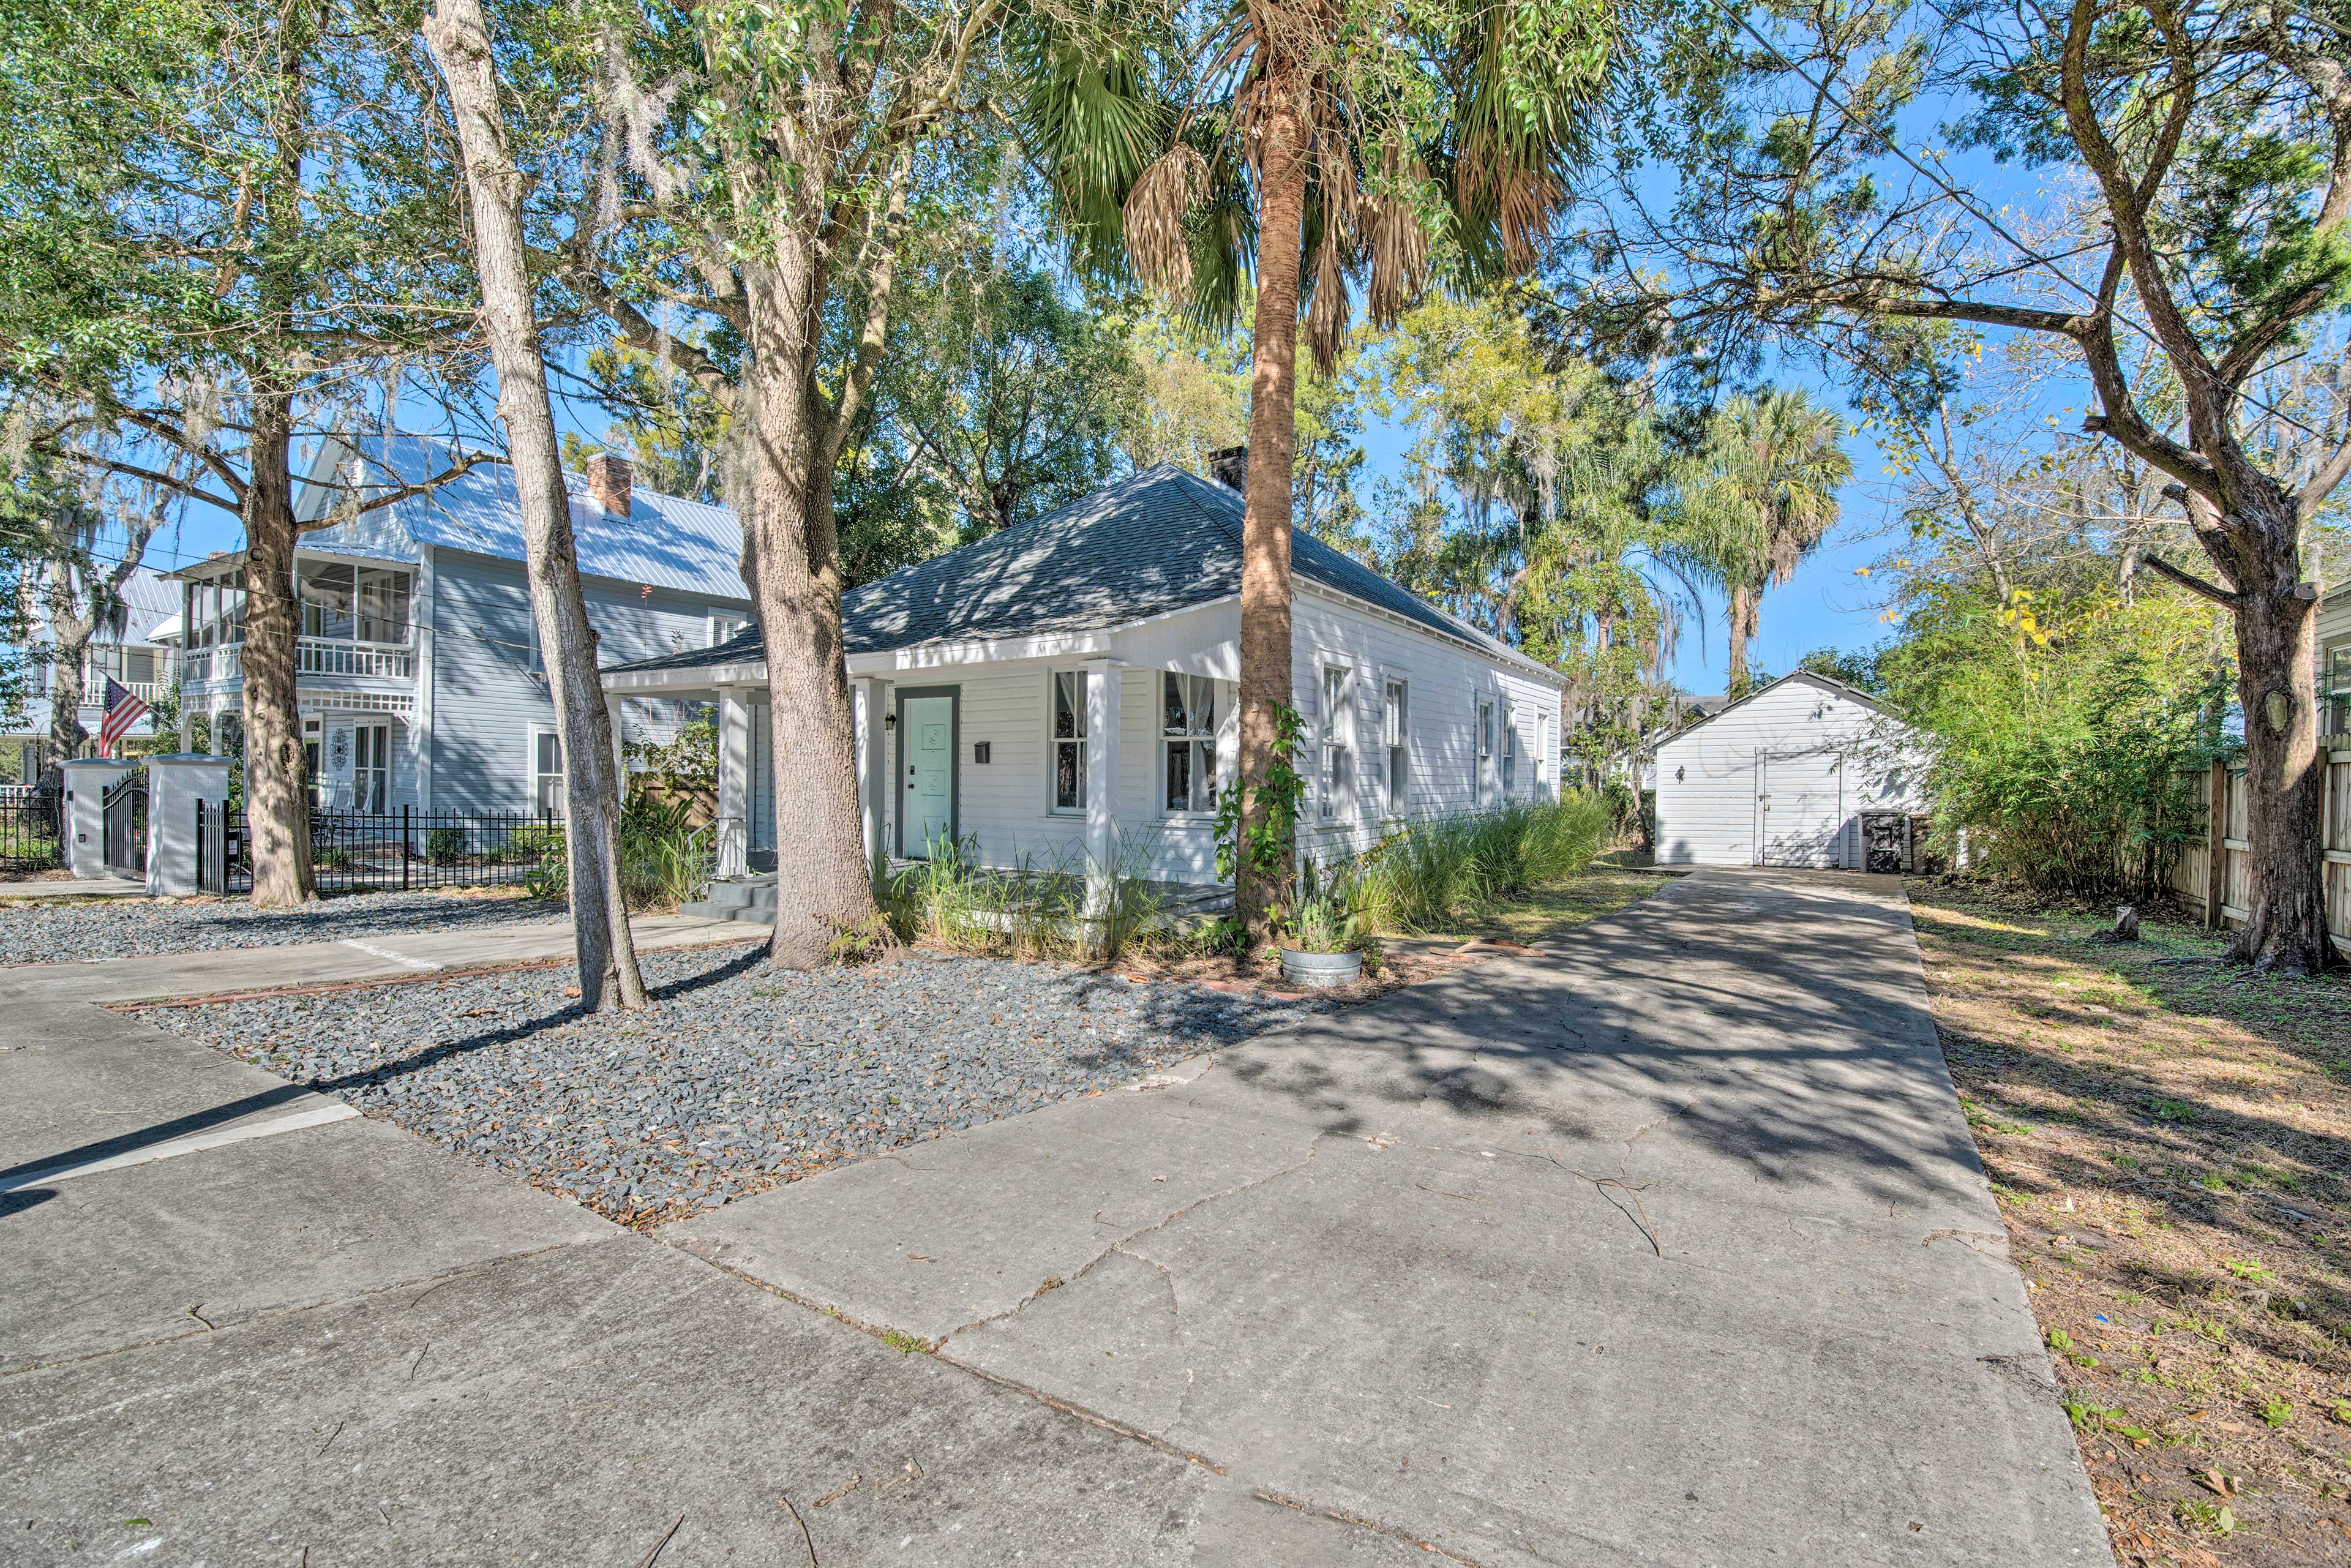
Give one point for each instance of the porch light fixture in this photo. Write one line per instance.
(889, 723)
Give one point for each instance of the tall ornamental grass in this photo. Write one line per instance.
(1435, 875)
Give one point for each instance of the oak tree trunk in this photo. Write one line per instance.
(792, 563)
(2286, 773)
(70, 637)
(276, 801)
(460, 40)
(1265, 656)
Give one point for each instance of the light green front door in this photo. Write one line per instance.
(929, 728)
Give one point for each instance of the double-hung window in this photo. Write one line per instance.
(547, 772)
(1484, 762)
(1331, 781)
(1510, 753)
(1188, 732)
(1394, 746)
(1069, 731)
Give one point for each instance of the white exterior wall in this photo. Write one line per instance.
(1710, 812)
(1445, 682)
(1006, 803)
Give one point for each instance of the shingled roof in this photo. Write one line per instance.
(1162, 540)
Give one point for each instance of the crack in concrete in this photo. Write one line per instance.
(1647, 1127)
(1377, 1527)
(1312, 1148)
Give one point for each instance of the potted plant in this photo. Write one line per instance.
(1328, 937)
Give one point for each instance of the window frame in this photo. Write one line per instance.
(1481, 750)
(1396, 755)
(1053, 743)
(535, 778)
(1194, 740)
(1334, 801)
(1509, 763)
(712, 635)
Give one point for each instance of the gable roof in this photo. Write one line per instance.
(667, 541)
(1826, 682)
(1161, 540)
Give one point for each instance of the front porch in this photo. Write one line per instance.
(1063, 767)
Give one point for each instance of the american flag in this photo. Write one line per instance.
(124, 709)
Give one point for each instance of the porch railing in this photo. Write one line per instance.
(313, 657)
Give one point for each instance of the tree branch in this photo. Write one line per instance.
(2193, 583)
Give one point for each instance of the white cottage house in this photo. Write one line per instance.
(1062, 692)
(1804, 771)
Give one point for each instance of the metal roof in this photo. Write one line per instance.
(1162, 540)
(667, 541)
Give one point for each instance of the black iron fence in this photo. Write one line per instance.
(124, 813)
(367, 852)
(32, 829)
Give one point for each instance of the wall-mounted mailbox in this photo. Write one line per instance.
(980, 751)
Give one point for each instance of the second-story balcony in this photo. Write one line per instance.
(313, 657)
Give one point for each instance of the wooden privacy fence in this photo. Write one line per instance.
(2220, 885)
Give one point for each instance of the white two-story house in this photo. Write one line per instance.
(421, 682)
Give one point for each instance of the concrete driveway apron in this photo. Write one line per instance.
(1666, 1245)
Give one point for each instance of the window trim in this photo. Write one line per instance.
(1219, 693)
(1506, 769)
(1396, 803)
(1334, 784)
(531, 775)
(710, 620)
(1481, 748)
(1053, 743)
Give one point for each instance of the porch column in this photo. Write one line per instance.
(734, 824)
(620, 745)
(873, 773)
(1102, 682)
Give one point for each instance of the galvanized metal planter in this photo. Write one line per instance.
(1322, 970)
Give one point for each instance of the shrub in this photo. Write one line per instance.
(2069, 734)
(444, 845)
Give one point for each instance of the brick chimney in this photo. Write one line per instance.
(1230, 468)
(608, 478)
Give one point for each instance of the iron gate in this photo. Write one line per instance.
(32, 829)
(124, 809)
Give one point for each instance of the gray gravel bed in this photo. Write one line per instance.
(738, 1078)
(51, 933)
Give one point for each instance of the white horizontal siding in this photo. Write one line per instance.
(1707, 807)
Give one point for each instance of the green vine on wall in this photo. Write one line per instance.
(1280, 794)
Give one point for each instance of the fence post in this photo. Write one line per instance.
(404, 848)
(2216, 846)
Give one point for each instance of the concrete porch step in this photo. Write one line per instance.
(750, 898)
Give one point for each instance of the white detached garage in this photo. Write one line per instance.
(1805, 771)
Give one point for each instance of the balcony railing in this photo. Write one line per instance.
(313, 657)
(319, 657)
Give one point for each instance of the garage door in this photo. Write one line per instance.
(1799, 809)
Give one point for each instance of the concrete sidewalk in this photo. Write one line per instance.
(166, 977)
(1668, 1246)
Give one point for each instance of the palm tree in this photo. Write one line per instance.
(1338, 145)
(1763, 496)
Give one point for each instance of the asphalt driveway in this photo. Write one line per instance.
(1667, 1245)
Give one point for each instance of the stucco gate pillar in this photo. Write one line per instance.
(174, 786)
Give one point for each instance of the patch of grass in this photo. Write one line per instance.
(2175, 1174)
(905, 1344)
